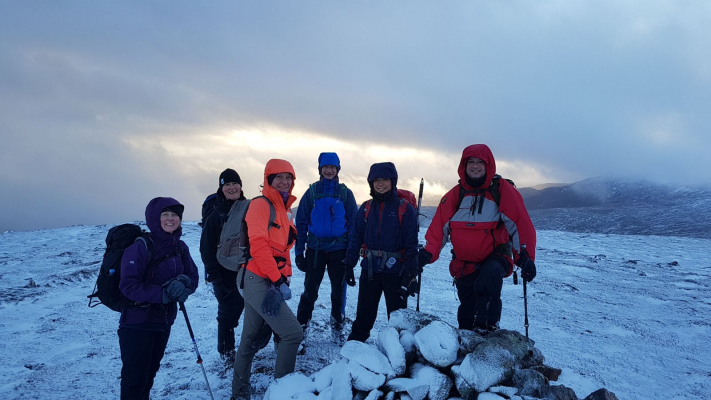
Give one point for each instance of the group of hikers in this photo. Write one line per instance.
(483, 216)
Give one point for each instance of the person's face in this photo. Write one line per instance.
(476, 168)
(382, 185)
(282, 182)
(169, 221)
(232, 190)
(329, 171)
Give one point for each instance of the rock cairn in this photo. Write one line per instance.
(421, 357)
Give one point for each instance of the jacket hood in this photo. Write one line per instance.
(483, 152)
(385, 170)
(153, 210)
(328, 159)
(273, 167)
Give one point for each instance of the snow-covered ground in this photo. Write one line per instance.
(629, 313)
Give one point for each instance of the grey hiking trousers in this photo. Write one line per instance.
(284, 324)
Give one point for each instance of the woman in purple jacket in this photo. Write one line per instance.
(155, 275)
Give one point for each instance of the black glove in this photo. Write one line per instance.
(402, 292)
(173, 289)
(184, 296)
(272, 300)
(528, 268)
(301, 263)
(423, 257)
(350, 275)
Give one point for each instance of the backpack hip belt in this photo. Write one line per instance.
(385, 256)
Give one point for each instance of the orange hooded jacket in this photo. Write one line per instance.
(268, 244)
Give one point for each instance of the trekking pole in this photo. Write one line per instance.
(525, 307)
(419, 272)
(192, 336)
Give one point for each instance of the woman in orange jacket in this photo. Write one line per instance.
(264, 281)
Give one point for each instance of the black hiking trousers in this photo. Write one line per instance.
(480, 294)
(141, 353)
(314, 277)
(230, 305)
(369, 293)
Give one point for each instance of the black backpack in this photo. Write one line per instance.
(106, 289)
(208, 206)
(493, 189)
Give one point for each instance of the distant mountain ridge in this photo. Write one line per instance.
(622, 206)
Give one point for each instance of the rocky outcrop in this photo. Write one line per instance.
(420, 357)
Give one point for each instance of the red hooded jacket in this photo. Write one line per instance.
(476, 231)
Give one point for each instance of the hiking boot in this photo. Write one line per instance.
(228, 358)
(302, 345)
(485, 330)
(337, 334)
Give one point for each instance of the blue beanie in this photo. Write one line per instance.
(328, 159)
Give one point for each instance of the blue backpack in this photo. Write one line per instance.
(327, 220)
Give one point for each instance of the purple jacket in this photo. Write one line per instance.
(145, 286)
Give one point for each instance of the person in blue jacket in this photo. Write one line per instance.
(387, 241)
(324, 220)
(153, 288)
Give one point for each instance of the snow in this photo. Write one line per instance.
(438, 342)
(628, 313)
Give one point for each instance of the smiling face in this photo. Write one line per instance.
(282, 182)
(329, 171)
(476, 168)
(232, 190)
(169, 221)
(382, 185)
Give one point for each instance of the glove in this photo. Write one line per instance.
(423, 257)
(173, 289)
(285, 291)
(184, 296)
(301, 263)
(402, 292)
(528, 268)
(350, 275)
(272, 300)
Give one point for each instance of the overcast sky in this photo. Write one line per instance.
(105, 105)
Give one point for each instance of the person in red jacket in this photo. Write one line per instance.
(487, 235)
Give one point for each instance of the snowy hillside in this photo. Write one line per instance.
(614, 205)
(628, 313)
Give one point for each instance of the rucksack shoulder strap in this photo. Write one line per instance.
(272, 213)
(494, 189)
(344, 192)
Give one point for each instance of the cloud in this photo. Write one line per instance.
(140, 99)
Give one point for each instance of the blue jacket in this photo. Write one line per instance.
(382, 231)
(304, 228)
(144, 285)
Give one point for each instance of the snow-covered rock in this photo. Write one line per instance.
(487, 367)
(290, 387)
(408, 319)
(439, 383)
(342, 389)
(438, 342)
(364, 379)
(414, 388)
(389, 342)
(367, 356)
(324, 377)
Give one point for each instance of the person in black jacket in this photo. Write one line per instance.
(387, 241)
(230, 303)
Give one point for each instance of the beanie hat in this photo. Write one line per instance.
(328, 159)
(178, 209)
(229, 175)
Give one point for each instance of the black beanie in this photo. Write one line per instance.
(229, 175)
(178, 209)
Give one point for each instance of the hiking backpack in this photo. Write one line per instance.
(404, 196)
(208, 206)
(233, 247)
(323, 214)
(106, 289)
